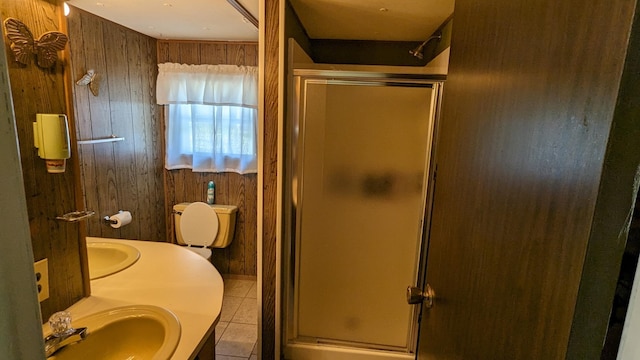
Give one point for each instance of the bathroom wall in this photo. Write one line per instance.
(129, 175)
(36, 90)
(231, 188)
(125, 175)
(268, 204)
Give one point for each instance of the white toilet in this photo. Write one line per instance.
(200, 226)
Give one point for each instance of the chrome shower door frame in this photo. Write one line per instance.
(294, 183)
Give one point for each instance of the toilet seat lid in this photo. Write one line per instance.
(199, 224)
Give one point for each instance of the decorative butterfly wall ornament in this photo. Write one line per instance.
(24, 45)
(90, 78)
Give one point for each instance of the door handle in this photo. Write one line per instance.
(415, 295)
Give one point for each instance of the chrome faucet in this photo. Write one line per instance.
(62, 334)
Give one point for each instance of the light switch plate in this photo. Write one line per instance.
(42, 279)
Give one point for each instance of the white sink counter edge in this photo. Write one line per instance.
(168, 276)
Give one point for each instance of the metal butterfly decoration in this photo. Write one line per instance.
(24, 45)
(91, 78)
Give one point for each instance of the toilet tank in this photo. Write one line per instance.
(226, 223)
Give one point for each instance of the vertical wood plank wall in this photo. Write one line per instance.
(270, 178)
(231, 188)
(125, 175)
(37, 90)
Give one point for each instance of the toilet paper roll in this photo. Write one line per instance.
(120, 219)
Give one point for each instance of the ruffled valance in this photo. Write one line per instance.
(229, 85)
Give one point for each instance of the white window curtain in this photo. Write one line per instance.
(212, 116)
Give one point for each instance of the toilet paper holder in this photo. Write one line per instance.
(108, 220)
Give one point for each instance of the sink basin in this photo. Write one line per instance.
(129, 332)
(106, 258)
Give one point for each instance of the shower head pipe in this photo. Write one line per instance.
(417, 52)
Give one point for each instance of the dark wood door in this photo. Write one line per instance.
(527, 112)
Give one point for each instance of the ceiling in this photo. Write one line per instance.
(178, 19)
(392, 20)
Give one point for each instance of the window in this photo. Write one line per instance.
(211, 138)
(211, 117)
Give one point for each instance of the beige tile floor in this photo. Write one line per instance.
(237, 330)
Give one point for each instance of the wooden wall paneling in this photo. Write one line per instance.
(236, 186)
(250, 225)
(37, 90)
(178, 190)
(149, 153)
(104, 183)
(81, 105)
(144, 214)
(199, 182)
(123, 164)
(173, 52)
(270, 178)
(189, 53)
(64, 253)
(74, 163)
(213, 53)
(84, 128)
(157, 129)
(220, 258)
(235, 54)
(155, 141)
(194, 186)
(251, 55)
(19, 75)
(25, 134)
(128, 174)
(171, 185)
(163, 51)
(222, 187)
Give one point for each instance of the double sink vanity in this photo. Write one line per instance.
(149, 300)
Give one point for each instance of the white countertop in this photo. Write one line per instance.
(168, 276)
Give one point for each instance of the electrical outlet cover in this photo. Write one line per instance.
(42, 279)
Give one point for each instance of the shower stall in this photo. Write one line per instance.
(357, 185)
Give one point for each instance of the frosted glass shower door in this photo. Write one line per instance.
(363, 154)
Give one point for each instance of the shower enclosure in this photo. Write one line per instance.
(358, 173)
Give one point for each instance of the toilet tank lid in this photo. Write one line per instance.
(219, 208)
